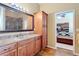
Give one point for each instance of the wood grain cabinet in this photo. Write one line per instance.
(31, 48)
(38, 44)
(22, 51)
(22, 48)
(40, 26)
(10, 53)
(28, 47)
(9, 50)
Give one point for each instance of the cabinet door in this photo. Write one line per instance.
(10, 53)
(44, 43)
(22, 51)
(31, 48)
(44, 35)
(44, 40)
(38, 44)
(38, 23)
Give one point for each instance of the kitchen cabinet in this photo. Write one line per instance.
(40, 27)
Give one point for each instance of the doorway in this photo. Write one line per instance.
(65, 30)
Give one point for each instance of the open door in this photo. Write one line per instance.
(65, 30)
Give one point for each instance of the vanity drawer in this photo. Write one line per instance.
(8, 47)
(24, 42)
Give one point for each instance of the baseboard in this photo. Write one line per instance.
(69, 47)
(77, 54)
(51, 47)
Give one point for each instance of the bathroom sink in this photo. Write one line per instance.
(16, 39)
(7, 41)
(28, 36)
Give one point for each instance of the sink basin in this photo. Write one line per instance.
(16, 39)
(7, 41)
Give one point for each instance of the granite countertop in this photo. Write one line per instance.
(16, 39)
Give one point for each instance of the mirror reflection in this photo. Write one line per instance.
(12, 20)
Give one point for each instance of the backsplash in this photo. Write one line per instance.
(14, 35)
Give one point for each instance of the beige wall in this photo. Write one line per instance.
(57, 7)
(51, 9)
(51, 31)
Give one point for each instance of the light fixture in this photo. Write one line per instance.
(59, 16)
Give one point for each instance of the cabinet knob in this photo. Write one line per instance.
(5, 49)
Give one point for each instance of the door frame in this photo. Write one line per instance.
(74, 27)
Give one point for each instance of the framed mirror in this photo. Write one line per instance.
(13, 20)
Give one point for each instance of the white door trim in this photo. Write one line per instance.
(74, 28)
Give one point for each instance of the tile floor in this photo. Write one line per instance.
(53, 52)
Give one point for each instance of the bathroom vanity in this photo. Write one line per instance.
(25, 46)
(13, 20)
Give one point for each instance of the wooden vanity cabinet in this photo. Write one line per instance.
(31, 48)
(22, 48)
(38, 44)
(40, 26)
(9, 50)
(22, 51)
(10, 53)
(28, 47)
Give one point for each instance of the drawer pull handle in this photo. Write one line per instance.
(5, 49)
